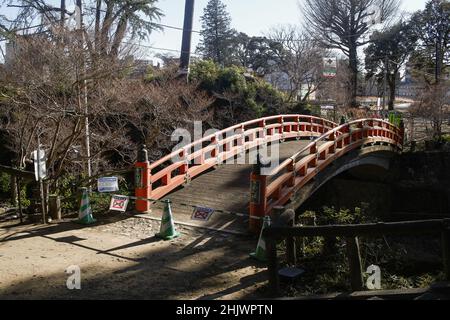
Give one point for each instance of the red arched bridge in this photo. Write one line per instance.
(221, 171)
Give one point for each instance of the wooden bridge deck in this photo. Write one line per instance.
(226, 187)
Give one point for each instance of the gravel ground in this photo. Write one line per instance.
(120, 258)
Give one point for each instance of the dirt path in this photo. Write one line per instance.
(120, 259)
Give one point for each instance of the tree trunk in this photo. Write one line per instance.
(118, 37)
(353, 57)
(107, 23)
(13, 188)
(97, 25)
(391, 92)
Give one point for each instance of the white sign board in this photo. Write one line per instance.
(40, 169)
(107, 184)
(119, 203)
(329, 67)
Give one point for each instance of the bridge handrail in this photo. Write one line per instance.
(337, 130)
(278, 191)
(237, 126)
(166, 174)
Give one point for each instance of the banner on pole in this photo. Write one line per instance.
(329, 67)
(107, 184)
(119, 203)
(202, 214)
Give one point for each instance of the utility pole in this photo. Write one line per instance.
(187, 37)
(385, 81)
(80, 27)
(63, 13)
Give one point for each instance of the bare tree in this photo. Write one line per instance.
(299, 58)
(343, 25)
(41, 90)
(434, 106)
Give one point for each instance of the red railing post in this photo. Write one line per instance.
(241, 139)
(258, 200)
(142, 181)
(281, 122)
(263, 134)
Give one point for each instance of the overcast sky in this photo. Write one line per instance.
(254, 17)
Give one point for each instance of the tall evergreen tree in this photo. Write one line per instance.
(216, 33)
(432, 54)
(388, 52)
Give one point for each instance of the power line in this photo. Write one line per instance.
(155, 48)
(157, 24)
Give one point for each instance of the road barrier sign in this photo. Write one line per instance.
(119, 203)
(202, 214)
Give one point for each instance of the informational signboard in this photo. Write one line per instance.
(329, 67)
(39, 166)
(202, 214)
(119, 203)
(107, 184)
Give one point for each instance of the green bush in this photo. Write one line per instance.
(5, 188)
(25, 202)
(446, 138)
(5, 182)
(329, 215)
(206, 72)
(395, 118)
(251, 94)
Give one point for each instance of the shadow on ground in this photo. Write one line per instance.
(211, 265)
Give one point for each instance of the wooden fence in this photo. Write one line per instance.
(351, 234)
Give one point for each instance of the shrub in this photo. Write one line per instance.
(5, 182)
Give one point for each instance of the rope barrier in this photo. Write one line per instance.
(238, 214)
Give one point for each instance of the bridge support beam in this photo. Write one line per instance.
(142, 181)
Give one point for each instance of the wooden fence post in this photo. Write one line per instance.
(272, 266)
(55, 207)
(286, 218)
(354, 259)
(291, 253)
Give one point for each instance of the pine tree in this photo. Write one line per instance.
(216, 33)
